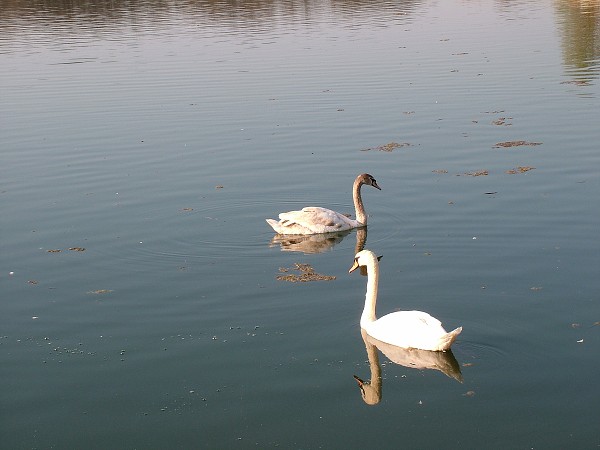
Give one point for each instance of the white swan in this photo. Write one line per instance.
(408, 329)
(314, 220)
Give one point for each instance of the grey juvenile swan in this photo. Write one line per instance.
(315, 220)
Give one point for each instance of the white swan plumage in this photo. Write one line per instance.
(407, 329)
(316, 220)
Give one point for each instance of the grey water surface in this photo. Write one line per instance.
(145, 302)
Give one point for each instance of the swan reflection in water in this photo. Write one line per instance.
(317, 243)
(370, 390)
(308, 244)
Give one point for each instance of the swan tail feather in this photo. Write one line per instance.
(448, 339)
(274, 224)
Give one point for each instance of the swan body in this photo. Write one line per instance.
(407, 329)
(316, 220)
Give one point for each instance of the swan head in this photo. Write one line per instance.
(365, 178)
(371, 393)
(364, 258)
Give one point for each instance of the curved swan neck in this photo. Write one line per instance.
(359, 209)
(368, 314)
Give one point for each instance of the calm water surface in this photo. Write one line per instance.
(143, 144)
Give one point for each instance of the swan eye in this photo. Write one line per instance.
(373, 182)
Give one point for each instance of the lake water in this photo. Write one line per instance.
(144, 302)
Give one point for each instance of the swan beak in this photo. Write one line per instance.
(375, 185)
(359, 381)
(354, 266)
(361, 385)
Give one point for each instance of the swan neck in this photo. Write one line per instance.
(368, 314)
(373, 358)
(359, 209)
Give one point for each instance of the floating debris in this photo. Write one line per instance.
(502, 121)
(307, 273)
(32, 282)
(508, 144)
(477, 173)
(389, 147)
(187, 209)
(77, 249)
(577, 82)
(100, 291)
(219, 186)
(440, 171)
(469, 394)
(54, 251)
(519, 169)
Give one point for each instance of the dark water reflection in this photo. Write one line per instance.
(21, 23)
(246, 15)
(579, 25)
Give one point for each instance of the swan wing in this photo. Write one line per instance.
(312, 220)
(409, 323)
(412, 329)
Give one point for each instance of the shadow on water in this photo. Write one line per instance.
(371, 389)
